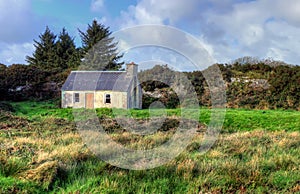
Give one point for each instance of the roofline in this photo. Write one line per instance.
(93, 90)
(99, 71)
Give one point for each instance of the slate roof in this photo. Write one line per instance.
(97, 80)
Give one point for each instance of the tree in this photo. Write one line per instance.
(45, 51)
(93, 35)
(67, 56)
(2, 66)
(24, 81)
(3, 82)
(99, 48)
(285, 86)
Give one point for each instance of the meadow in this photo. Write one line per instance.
(258, 151)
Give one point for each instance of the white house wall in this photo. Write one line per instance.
(118, 99)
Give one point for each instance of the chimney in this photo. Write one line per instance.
(131, 69)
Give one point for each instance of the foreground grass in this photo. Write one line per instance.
(44, 153)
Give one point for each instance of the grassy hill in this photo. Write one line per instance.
(258, 151)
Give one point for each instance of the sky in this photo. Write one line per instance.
(226, 29)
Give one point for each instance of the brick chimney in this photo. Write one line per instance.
(131, 69)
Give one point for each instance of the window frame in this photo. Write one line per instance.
(76, 97)
(107, 98)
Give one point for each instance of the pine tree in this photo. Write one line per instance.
(45, 51)
(67, 56)
(99, 49)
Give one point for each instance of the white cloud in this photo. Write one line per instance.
(158, 12)
(97, 5)
(228, 29)
(158, 42)
(138, 15)
(288, 10)
(258, 32)
(15, 53)
(18, 28)
(166, 12)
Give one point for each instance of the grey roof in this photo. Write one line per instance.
(97, 80)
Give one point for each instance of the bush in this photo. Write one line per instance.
(6, 107)
(147, 101)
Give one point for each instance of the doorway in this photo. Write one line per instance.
(89, 100)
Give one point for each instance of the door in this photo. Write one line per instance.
(89, 100)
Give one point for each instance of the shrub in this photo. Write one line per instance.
(6, 107)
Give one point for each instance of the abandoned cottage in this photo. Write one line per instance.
(99, 89)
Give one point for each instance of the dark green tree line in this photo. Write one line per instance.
(52, 53)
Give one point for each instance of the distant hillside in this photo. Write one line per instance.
(257, 84)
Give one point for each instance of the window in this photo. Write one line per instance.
(107, 98)
(76, 97)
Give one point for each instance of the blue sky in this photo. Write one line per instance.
(227, 29)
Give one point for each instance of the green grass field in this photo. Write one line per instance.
(235, 119)
(258, 151)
